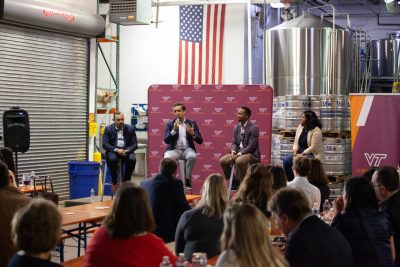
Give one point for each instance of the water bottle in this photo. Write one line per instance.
(327, 208)
(316, 209)
(92, 194)
(165, 262)
(181, 262)
(32, 176)
(199, 259)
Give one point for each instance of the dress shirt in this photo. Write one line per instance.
(120, 137)
(312, 192)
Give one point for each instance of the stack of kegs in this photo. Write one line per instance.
(276, 150)
(335, 156)
(295, 106)
(286, 146)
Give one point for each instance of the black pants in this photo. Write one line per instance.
(112, 162)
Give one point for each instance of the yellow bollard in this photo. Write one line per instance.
(97, 158)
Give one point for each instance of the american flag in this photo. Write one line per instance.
(201, 41)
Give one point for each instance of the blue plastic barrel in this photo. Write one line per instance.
(83, 176)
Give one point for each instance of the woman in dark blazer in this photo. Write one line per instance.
(365, 227)
(200, 229)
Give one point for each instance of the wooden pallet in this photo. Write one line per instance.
(337, 134)
(338, 178)
(287, 133)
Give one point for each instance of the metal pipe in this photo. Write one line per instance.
(249, 60)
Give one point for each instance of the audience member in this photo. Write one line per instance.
(256, 187)
(244, 150)
(11, 199)
(368, 174)
(36, 230)
(126, 238)
(6, 156)
(310, 241)
(200, 229)
(280, 180)
(301, 170)
(386, 184)
(317, 177)
(167, 199)
(359, 220)
(245, 240)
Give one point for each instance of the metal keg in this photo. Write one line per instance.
(348, 156)
(276, 150)
(335, 156)
(295, 106)
(275, 118)
(340, 112)
(281, 112)
(286, 146)
(347, 122)
(329, 112)
(315, 104)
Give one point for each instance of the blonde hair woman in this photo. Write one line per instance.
(199, 229)
(245, 240)
(256, 187)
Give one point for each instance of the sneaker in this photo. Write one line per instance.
(188, 184)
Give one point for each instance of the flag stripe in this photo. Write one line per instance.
(193, 61)
(200, 62)
(221, 44)
(207, 42)
(180, 63)
(186, 62)
(214, 42)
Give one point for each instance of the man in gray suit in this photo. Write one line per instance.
(244, 149)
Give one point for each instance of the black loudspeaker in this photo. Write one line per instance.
(16, 129)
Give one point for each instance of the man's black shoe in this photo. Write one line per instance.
(188, 183)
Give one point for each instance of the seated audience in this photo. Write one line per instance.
(245, 240)
(368, 174)
(6, 156)
(310, 241)
(317, 177)
(167, 199)
(36, 230)
(11, 199)
(386, 184)
(256, 187)
(126, 238)
(359, 220)
(280, 179)
(200, 229)
(301, 170)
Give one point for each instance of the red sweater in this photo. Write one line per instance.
(137, 251)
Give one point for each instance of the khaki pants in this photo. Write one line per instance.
(241, 162)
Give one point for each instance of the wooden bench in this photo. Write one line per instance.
(73, 234)
(77, 262)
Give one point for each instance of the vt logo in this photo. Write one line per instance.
(374, 159)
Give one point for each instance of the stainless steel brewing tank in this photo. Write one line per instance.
(385, 57)
(306, 56)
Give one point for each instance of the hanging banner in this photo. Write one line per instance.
(375, 128)
(214, 108)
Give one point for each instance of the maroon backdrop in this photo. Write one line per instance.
(214, 109)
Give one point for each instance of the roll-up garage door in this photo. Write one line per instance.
(46, 74)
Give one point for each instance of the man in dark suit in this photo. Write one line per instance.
(386, 184)
(119, 141)
(167, 199)
(310, 241)
(180, 135)
(244, 149)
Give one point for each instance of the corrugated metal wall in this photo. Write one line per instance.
(46, 74)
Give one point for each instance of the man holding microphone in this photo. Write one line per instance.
(180, 135)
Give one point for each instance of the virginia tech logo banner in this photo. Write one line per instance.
(214, 108)
(375, 129)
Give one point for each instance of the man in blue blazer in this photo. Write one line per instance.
(244, 150)
(180, 135)
(167, 199)
(120, 142)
